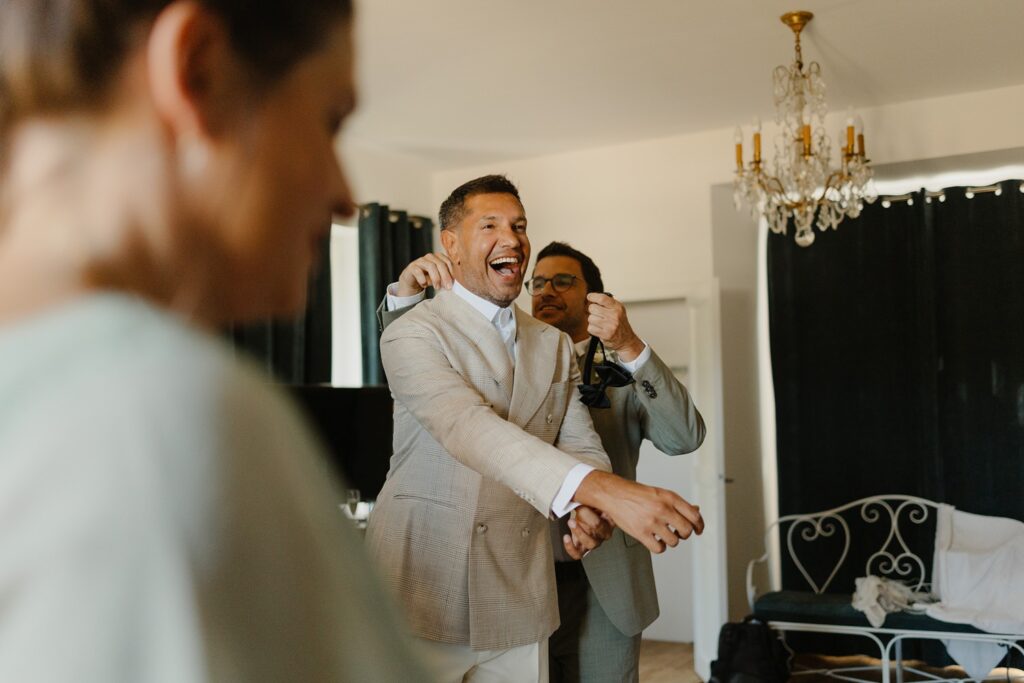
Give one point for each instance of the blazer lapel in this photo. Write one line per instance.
(480, 333)
(535, 366)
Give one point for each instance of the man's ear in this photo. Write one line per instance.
(450, 242)
(191, 69)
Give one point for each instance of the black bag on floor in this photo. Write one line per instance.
(750, 652)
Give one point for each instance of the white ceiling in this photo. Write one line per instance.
(460, 82)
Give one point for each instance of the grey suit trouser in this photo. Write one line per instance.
(587, 648)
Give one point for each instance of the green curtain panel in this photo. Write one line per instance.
(897, 346)
(295, 351)
(388, 241)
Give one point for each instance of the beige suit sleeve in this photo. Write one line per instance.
(456, 415)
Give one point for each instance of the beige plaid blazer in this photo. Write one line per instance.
(460, 529)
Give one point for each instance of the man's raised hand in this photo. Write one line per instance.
(432, 270)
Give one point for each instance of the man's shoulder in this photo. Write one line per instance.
(528, 325)
(425, 317)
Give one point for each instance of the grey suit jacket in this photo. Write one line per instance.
(460, 529)
(620, 571)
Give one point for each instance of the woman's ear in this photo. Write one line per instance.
(192, 70)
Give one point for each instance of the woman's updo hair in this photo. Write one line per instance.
(57, 55)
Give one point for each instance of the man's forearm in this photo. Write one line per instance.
(656, 517)
(671, 420)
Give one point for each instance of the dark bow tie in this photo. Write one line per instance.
(609, 374)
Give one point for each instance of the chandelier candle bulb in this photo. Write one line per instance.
(757, 139)
(738, 139)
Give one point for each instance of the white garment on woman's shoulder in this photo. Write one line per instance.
(165, 515)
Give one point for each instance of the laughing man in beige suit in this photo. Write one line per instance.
(490, 442)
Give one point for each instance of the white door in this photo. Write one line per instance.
(691, 579)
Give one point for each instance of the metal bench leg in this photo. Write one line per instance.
(899, 661)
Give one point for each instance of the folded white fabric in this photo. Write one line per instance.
(877, 596)
(977, 659)
(978, 571)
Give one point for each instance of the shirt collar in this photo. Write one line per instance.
(582, 346)
(483, 306)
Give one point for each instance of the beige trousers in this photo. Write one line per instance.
(460, 664)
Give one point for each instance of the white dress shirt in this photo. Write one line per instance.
(633, 365)
(504, 320)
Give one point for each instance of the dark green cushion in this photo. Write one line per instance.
(835, 608)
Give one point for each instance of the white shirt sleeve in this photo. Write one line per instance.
(394, 302)
(634, 364)
(563, 503)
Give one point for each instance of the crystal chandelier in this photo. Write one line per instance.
(799, 182)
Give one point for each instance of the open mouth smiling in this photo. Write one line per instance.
(508, 267)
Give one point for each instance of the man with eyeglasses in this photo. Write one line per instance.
(606, 600)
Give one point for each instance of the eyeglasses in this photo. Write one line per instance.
(562, 282)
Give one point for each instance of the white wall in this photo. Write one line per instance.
(643, 211)
(377, 175)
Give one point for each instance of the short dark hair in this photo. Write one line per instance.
(453, 209)
(591, 273)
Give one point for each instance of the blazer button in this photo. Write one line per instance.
(550, 418)
(526, 532)
(481, 528)
(649, 389)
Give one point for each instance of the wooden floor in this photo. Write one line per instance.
(662, 662)
(808, 662)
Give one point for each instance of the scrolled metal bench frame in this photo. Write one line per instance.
(893, 559)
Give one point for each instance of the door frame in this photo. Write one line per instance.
(710, 578)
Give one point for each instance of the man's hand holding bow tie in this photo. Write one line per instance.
(608, 322)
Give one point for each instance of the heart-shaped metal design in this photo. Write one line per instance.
(814, 528)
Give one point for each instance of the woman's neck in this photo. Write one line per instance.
(82, 211)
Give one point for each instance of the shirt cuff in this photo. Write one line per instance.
(637, 362)
(563, 503)
(394, 302)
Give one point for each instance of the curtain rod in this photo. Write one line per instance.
(969, 193)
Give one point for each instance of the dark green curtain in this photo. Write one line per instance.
(898, 355)
(295, 351)
(979, 260)
(897, 346)
(388, 241)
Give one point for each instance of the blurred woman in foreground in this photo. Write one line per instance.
(166, 166)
